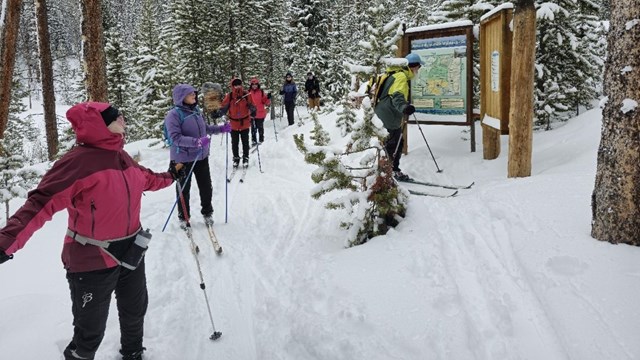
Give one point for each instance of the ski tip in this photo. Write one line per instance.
(219, 251)
(454, 193)
(216, 335)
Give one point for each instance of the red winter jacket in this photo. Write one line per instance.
(238, 110)
(260, 100)
(98, 184)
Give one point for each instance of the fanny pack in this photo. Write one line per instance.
(127, 252)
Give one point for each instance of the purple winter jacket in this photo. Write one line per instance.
(184, 137)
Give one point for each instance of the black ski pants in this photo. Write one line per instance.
(393, 146)
(203, 178)
(236, 135)
(90, 298)
(257, 125)
(290, 108)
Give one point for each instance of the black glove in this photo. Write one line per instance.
(269, 96)
(217, 114)
(176, 173)
(4, 257)
(252, 111)
(409, 109)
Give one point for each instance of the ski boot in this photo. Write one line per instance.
(236, 162)
(136, 355)
(245, 162)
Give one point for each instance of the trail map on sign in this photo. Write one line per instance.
(441, 84)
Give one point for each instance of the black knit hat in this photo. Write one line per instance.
(109, 115)
(236, 82)
(288, 74)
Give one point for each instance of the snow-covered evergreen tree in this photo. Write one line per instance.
(375, 202)
(347, 117)
(149, 96)
(21, 133)
(16, 179)
(565, 75)
(319, 136)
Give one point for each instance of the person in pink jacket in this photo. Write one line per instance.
(101, 187)
(260, 101)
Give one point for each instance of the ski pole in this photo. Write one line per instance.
(226, 183)
(281, 109)
(425, 141)
(259, 162)
(273, 113)
(216, 334)
(180, 188)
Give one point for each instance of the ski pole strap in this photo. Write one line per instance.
(99, 243)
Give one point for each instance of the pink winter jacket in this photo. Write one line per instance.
(260, 100)
(98, 184)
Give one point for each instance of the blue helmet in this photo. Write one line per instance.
(413, 58)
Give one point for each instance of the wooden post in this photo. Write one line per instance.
(522, 75)
(490, 142)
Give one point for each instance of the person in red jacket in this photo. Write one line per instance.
(239, 108)
(101, 187)
(260, 100)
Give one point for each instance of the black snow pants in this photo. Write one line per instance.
(90, 298)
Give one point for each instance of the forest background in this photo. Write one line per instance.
(152, 45)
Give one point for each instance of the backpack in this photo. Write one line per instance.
(376, 84)
(182, 117)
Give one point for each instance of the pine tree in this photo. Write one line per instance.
(16, 179)
(319, 136)
(592, 45)
(346, 117)
(614, 202)
(374, 202)
(21, 133)
(148, 97)
(555, 59)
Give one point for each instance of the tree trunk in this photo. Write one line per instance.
(522, 74)
(615, 202)
(46, 70)
(95, 64)
(9, 38)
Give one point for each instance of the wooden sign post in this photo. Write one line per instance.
(495, 77)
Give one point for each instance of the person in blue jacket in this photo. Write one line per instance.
(289, 91)
(187, 134)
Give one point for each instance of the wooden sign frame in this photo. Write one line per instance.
(455, 29)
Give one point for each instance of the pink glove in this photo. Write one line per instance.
(203, 141)
(226, 128)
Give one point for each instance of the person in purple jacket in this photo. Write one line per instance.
(187, 133)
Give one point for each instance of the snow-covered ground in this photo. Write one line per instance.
(505, 270)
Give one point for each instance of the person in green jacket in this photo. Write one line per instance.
(393, 107)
